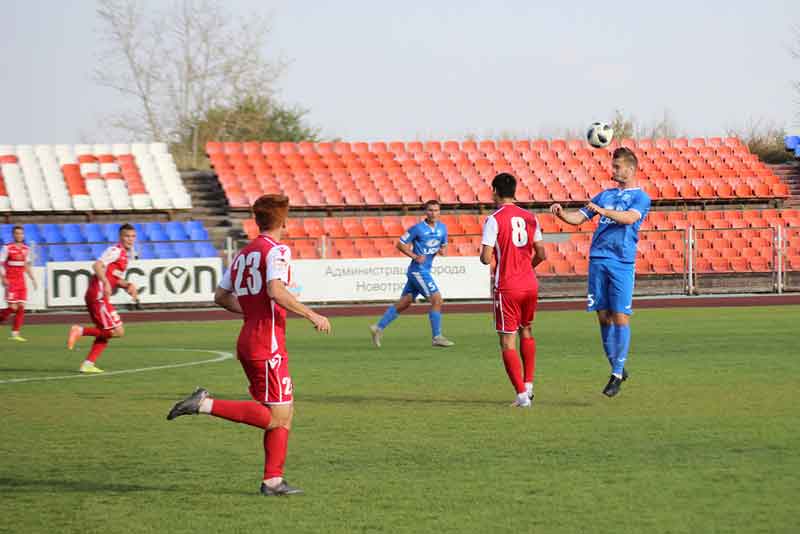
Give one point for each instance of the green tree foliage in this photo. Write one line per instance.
(254, 118)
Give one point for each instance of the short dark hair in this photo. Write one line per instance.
(429, 203)
(505, 185)
(17, 227)
(627, 155)
(125, 227)
(270, 211)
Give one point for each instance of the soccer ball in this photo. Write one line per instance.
(599, 134)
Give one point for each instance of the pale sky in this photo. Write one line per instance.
(410, 70)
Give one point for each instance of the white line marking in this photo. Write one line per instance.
(221, 356)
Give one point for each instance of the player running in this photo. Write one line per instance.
(611, 259)
(109, 273)
(15, 263)
(422, 242)
(513, 236)
(256, 285)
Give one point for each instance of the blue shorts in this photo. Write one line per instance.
(420, 283)
(610, 286)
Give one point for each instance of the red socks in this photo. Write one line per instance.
(91, 331)
(248, 412)
(514, 369)
(5, 313)
(528, 347)
(276, 441)
(18, 318)
(99, 345)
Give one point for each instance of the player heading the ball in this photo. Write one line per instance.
(612, 256)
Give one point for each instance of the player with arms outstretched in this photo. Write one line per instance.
(422, 242)
(255, 285)
(109, 274)
(15, 263)
(513, 238)
(611, 259)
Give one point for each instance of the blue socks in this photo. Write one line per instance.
(436, 323)
(607, 334)
(622, 342)
(388, 316)
(391, 314)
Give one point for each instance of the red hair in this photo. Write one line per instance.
(271, 211)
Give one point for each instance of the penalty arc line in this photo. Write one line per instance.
(221, 356)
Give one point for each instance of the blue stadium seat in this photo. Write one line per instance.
(145, 251)
(58, 253)
(164, 250)
(32, 233)
(141, 232)
(51, 233)
(797, 152)
(205, 249)
(73, 233)
(80, 252)
(97, 250)
(198, 234)
(6, 233)
(184, 250)
(111, 231)
(155, 231)
(792, 142)
(176, 231)
(94, 233)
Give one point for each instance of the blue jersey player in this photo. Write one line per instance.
(422, 242)
(611, 259)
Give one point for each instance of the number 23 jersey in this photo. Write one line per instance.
(263, 333)
(512, 231)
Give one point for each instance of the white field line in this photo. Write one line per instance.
(221, 356)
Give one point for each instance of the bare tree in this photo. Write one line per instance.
(175, 65)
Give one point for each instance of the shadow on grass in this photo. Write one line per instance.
(88, 486)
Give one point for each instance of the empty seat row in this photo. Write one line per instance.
(357, 174)
(523, 145)
(107, 233)
(90, 177)
(145, 251)
(395, 225)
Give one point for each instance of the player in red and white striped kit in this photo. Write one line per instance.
(513, 238)
(15, 263)
(109, 273)
(255, 286)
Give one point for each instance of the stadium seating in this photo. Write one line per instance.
(793, 144)
(90, 177)
(380, 174)
(725, 240)
(85, 242)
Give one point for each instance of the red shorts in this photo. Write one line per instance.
(16, 292)
(103, 314)
(514, 309)
(270, 381)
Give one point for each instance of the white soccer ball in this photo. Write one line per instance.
(600, 134)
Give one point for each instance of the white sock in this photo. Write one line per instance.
(87, 362)
(206, 405)
(14, 334)
(528, 387)
(522, 397)
(273, 482)
(618, 376)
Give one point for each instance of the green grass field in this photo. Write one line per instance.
(702, 439)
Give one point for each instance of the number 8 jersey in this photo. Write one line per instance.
(511, 231)
(263, 333)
